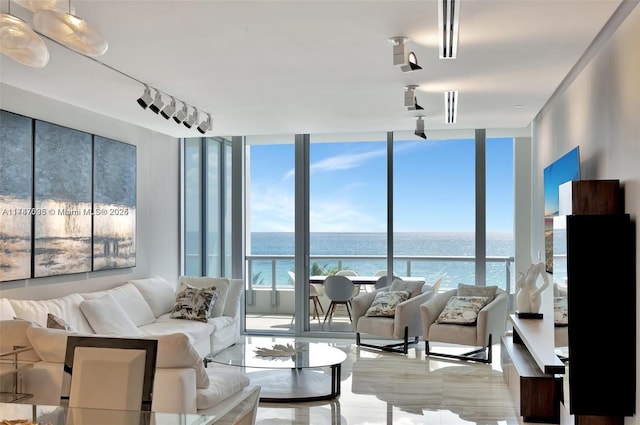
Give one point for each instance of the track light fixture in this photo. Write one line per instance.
(450, 106)
(205, 125)
(408, 61)
(189, 122)
(157, 104)
(448, 26)
(410, 100)
(145, 100)
(169, 110)
(420, 127)
(181, 115)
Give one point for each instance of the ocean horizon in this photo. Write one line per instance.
(374, 244)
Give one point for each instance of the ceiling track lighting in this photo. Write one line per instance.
(189, 122)
(410, 100)
(180, 116)
(448, 26)
(169, 110)
(450, 106)
(206, 125)
(408, 61)
(145, 100)
(420, 127)
(157, 104)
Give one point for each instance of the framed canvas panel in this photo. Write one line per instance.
(63, 183)
(16, 177)
(114, 201)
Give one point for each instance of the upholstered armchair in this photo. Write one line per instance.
(474, 316)
(392, 312)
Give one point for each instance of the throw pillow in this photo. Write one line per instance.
(55, 322)
(220, 285)
(462, 310)
(477, 291)
(560, 315)
(158, 293)
(107, 317)
(385, 302)
(194, 303)
(414, 288)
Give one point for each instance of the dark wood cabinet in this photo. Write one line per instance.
(602, 309)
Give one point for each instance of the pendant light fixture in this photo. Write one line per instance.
(21, 43)
(70, 30)
(59, 5)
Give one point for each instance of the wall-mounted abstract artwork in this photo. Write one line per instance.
(62, 192)
(114, 201)
(15, 196)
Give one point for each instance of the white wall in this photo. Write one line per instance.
(158, 196)
(599, 110)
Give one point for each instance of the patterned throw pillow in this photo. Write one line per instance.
(462, 310)
(385, 302)
(560, 315)
(55, 322)
(194, 303)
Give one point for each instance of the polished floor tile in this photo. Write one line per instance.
(380, 388)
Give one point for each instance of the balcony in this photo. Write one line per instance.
(269, 298)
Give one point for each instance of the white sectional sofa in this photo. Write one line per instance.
(139, 309)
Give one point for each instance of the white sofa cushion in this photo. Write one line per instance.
(133, 303)
(6, 310)
(223, 384)
(14, 333)
(195, 330)
(232, 300)
(174, 350)
(221, 287)
(107, 317)
(67, 307)
(50, 344)
(157, 292)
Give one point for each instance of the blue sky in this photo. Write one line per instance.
(433, 186)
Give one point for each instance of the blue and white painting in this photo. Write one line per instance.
(114, 220)
(63, 185)
(15, 196)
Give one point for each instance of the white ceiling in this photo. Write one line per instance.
(305, 66)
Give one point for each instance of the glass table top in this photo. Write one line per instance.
(307, 355)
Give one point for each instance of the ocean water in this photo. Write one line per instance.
(351, 245)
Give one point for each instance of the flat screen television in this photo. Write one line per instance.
(564, 169)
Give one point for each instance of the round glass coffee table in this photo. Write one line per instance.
(297, 377)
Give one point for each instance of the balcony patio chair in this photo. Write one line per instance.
(356, 286)
(110, 373)
(339, 289)
(391, 312)
(470, 315)
(315, 292)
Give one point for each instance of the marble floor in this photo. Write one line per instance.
(381, 388)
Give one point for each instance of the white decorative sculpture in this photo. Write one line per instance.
(528, 297)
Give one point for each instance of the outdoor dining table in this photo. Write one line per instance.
(365, 280)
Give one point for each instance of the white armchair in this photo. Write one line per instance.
(489, 326)
(403, 324)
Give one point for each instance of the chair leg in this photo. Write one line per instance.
(487, 353)
(399, 347)
(329, 313)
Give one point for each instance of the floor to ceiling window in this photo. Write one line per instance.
(434, 210)
(326, 204)
(347, 215)
(206, 208)
(269, 227)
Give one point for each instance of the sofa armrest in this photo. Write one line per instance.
(492, 319)
(408, 315)
(174, 390)
(430, 310)
(359, 306)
